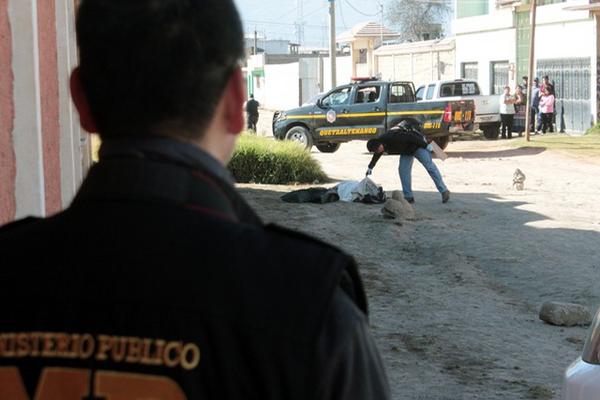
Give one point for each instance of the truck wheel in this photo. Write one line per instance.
(328, 147)
(301, 135)
(442, 141)
(491, 132)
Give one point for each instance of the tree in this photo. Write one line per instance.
(417, 20)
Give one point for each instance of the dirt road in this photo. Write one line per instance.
(454, 293)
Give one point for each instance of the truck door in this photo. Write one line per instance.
(328, 108)
(361, 117)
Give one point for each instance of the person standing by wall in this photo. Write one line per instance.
(406, 140)
(547, 109)
(520, 109)
(535, 106)
(507, 112)
(524, 84)
(252, 113)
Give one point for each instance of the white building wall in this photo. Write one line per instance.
(484, 48)
(559, 34)
(310, 78)
(343, 71)
(281, 87)
(71, 154)
(496, 20)
(27, 134)
(565, 40)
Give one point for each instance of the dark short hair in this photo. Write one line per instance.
(156, 67)
(525, 78)
(373, 145)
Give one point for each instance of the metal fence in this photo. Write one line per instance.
(469, 71)
(572, 83)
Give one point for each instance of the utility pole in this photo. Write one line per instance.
(255, 51)
(332, 44)
(530, 75)
(381, 30)
(300, 22)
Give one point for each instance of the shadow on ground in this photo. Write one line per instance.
(517, 152)
(454, 292)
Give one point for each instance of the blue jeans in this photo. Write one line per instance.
(405, 170)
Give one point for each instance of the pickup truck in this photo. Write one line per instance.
(487, 108)
(365, 109)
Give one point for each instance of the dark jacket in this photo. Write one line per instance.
(399, 141)
(252, 107)
(160, 277)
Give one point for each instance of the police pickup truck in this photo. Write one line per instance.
(367, 108)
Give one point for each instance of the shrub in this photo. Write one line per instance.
(261, 160)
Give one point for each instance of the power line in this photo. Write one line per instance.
(360, 12)
(342, 15)
(252, 21)
(287, 13)
(316, 11)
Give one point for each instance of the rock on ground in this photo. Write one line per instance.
(398, 209)
(565, 314)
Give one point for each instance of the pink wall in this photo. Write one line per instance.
(50, 104)
(7, 115)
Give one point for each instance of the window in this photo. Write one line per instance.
(340, 96)
(459, 89)
(368, 94)
(430, 91)
(547, 2)
(401, 93)
(420, 93)
(499, 76)
(471, 8)
(469, 70)
(362, 56)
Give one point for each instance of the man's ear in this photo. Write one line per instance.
(81, 103)
(235, 93)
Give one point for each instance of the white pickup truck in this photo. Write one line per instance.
(487, 108)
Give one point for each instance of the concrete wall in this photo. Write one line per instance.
(41, 161)
(419, 62)
(289, 85)
(559, 34)
(469, 48)
(311, 72)
(281, 89)
(343, 71)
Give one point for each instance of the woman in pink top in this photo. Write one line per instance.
(547, 109)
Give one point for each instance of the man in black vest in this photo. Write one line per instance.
(159, 281)
(406, 140)
(252, 113)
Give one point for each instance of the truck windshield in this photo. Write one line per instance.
(459, 89)
(338, 97)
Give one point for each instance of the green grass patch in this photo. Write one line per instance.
(594, 130)
(586, 145)
(267, 161)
